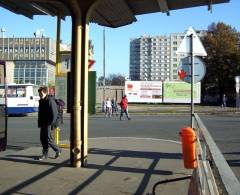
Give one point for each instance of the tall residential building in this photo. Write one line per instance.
(29, 60)
(176, 39)
(155, 58)
(150, 58)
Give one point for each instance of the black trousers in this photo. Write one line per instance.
(47, 140)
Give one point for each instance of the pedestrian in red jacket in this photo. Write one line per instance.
(124, 107)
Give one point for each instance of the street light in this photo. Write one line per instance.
(104, 69)
(237, 80)
(3, 30)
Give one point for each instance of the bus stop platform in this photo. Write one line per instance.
(116, 166)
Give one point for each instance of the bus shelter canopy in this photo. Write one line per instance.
(111, 13)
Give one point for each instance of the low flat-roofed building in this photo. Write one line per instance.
(29, 60)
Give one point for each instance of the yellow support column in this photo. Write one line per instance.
(80, 13)
(58, 46)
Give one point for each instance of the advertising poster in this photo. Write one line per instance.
(144, 91)
(180, 92)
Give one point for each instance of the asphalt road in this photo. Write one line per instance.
(23, 131)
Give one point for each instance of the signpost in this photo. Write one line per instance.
(191, 46)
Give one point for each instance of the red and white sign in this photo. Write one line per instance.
(144, 91)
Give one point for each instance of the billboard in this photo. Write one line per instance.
(144, 91)
(180, 92)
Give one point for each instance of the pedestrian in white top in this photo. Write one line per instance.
(109, 108)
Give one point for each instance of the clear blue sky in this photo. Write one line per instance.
(118, 39)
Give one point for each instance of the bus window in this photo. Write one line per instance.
(2, 96)
(35, 91)
(2, 92)
(21, 92)
(11, 92)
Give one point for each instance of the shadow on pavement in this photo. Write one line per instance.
(145, 170)
(116, 154)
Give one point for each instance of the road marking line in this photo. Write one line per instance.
(153, 139)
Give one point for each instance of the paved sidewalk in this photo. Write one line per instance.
(116, 166)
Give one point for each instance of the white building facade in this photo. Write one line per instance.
(150, 58)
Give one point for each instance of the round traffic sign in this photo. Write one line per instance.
(185, 66)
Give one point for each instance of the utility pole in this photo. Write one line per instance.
(104, 64)
(3, 30)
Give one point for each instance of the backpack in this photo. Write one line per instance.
(60, 104)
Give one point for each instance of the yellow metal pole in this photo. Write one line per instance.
(85, 50)
(80, 13)
(86, 14)
(86, 11)
(77, 88)
(56, 135)
(75, 145)
(58, 46)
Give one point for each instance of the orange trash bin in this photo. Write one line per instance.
(188, 138)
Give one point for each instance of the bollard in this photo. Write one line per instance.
(56, 135)
(188, 138)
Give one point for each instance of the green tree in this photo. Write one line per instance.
(100, 81)
(112, 79)
(223, 60)
(117, 79)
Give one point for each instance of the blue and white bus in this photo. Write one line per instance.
(21, 98)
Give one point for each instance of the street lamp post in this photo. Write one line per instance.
(237, 80)
(3, 30)
(104, 80)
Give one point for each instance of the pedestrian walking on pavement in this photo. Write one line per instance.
(47, 117)
(109, 108)
(114, 107)
(224, 101)
(124, 107)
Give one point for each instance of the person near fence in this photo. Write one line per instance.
(47, 117)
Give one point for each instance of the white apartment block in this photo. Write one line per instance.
(176, 39)
(150, 58)
(155, 58)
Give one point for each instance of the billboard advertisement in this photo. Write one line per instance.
(180, 92)
(144, 91)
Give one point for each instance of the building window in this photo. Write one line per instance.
(30, 72)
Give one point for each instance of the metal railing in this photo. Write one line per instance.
(213, 175)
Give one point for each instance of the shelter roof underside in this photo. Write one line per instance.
(111, 13)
